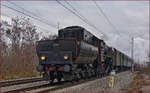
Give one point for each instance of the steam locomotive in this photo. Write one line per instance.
(77, 54)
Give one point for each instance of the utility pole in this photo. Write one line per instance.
(132, 47)
(58, 25)
(132, 52)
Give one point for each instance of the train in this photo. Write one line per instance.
(78, 54)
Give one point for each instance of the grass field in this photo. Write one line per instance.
(19, 66)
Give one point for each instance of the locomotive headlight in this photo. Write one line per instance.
(66, 57)
(42, 57)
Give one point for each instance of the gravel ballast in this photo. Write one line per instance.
(122, 80)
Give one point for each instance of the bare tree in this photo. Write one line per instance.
(3, 38)
(22, 34)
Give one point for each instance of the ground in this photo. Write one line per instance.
(125, 82)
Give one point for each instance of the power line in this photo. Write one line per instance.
(29, 16)
(21, 8)
(132, 52)
(76, 11)
(67, 3)
(132, 47)
(80, 17)
(73, 12)
(101, 11)
(36, 25)
(31, 13)
(28, 12)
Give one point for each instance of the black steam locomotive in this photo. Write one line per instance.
(76, 54)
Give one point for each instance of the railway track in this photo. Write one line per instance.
(44, 87)
(19, 81)
(60, 86)
(24, 87)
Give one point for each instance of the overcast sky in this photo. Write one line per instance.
(116, 23)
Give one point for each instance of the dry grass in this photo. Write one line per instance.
(140, 81)
(19, 66)
(137, 83)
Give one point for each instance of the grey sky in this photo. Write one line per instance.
(130, 18)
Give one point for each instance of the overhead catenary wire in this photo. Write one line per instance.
(81, 18)
(77, 11)
(80, 14)
(36, 26)
(101, 11)
(38, 16)
(74, 13)
(30, 16)
(35, 15)
(30, 13)
(21, 8)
